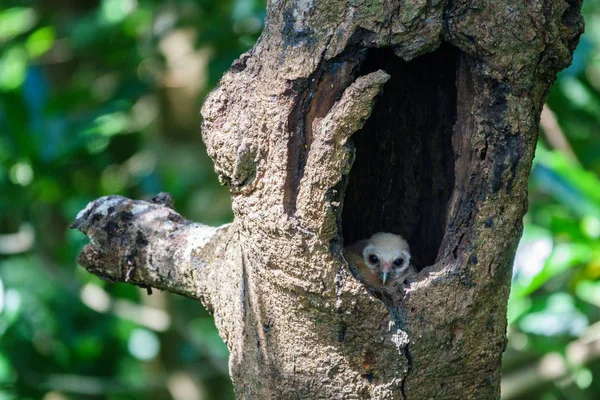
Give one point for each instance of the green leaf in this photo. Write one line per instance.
(13, 66)
(7, 373)
(15, 21)
(40, 41)
(558, 317)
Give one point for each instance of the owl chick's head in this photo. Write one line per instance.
(387, 255)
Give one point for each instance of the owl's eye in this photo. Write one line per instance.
(398, 262)
(373, 259)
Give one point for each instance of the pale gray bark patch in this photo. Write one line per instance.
(441, 139)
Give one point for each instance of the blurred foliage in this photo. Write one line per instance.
(101, 96)
(554, 309)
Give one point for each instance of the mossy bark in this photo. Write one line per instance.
(347, 118)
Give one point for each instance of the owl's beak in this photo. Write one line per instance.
(385, 270)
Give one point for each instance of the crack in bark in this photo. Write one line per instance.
(243, 287)
(296, 147)
(408, 370)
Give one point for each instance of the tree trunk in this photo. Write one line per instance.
(349, 118)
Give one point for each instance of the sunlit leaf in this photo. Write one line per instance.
(563, 257)
(569, 183)
(589, 291)
(40, 41)
(21, 173)
(7, 394)
(559, 317)
(584, 378)
(15, 21)
(143, 344)
(13, 67)
(110, 124)
(590, 226)
(7, 373)
(11, 310)
(579, 94)
(114, 11)
(517, 307)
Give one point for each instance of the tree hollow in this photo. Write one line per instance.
(403, 176)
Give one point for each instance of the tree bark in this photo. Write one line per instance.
(348, 118)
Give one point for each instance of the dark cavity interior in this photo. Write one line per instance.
(403, 175)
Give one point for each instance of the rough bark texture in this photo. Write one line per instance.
(347, 118)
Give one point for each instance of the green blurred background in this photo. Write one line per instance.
(101, 97)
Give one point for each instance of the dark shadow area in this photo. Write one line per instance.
(403, 175)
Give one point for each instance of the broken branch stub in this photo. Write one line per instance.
(148, 244)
